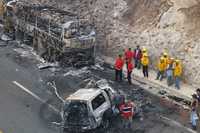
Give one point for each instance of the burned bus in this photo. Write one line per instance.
(55, 34)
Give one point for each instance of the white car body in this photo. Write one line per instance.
(97, 102)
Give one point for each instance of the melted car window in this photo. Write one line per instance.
(98, 101)
(77, 112)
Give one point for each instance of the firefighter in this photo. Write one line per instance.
(129, 71)
(128, 55)
(161, 69)
(165, 57)
(169, 71)
(166, 60)
(118, 68)
(127, 113)
(177, 73)
(145, 63)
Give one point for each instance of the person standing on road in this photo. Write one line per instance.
(161, 69)
(128, 56)
(169, 71)
(193, 116)
(129, 71)
(119, 63)
(137, 57)
(165, 58)
(198, 98)
(177, 73)
(127, 113)
(145, 64)
(198, 108)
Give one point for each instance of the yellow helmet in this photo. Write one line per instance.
(177, 61)
(165, 54)
(161, 58)
(144, 50)
(145, 55)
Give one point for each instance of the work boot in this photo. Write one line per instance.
(194, 128)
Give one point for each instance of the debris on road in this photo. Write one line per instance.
(77, 73)
(179, 100)
(47, 65)
(77, 58)
(5, 37)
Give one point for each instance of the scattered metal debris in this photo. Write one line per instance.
(47, 65)
(179, 100)
(77, 73)
(5, 37)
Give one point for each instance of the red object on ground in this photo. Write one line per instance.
(119, 63)
(127, 110)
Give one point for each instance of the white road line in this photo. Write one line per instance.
(34, 95)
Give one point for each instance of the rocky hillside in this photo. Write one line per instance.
(172, 25)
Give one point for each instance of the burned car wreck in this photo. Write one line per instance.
(89, 108)
(55, 34)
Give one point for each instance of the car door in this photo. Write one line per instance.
(99, 105)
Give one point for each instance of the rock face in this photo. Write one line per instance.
(170, 25)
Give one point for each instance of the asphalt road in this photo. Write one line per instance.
(19, 111)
